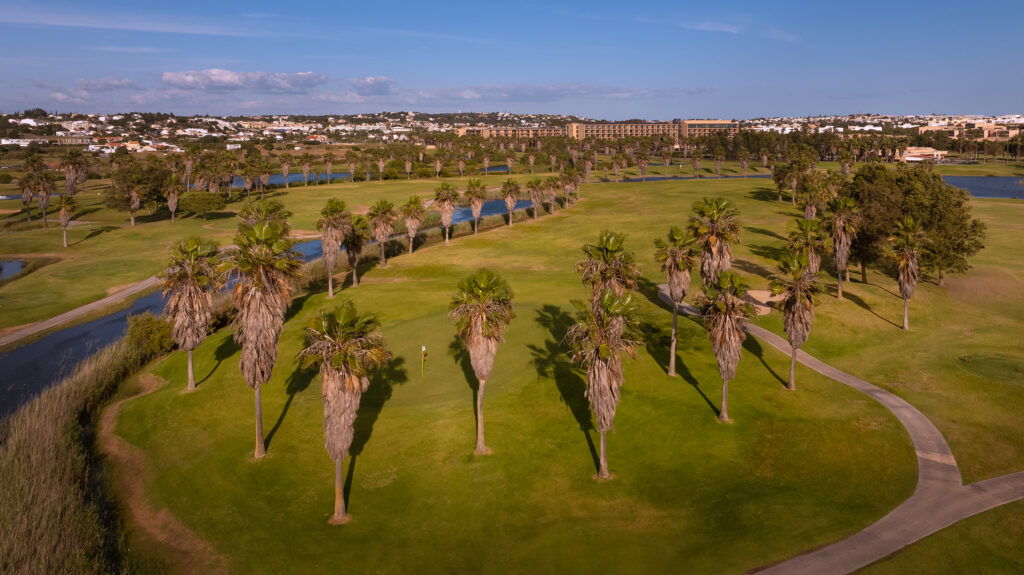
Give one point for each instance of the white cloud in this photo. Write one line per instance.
(340, 98)
(107, 84)
(216, 79)
(374, 85)
(713, 27)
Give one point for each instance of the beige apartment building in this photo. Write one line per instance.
(610, 130)
(695, 128)
(510, 132)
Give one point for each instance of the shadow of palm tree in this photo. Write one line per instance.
(751, 268)
(95, 232)
(764, 231)
(863, 304)
(753, 346)
(227, 348)
(296, 383)
(551, 360)
(763, 195)
(382, 384)
(457, 350)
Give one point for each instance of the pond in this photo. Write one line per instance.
(988, 186)
(10, 268)
(31, 368)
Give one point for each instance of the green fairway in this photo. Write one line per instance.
(795, 470)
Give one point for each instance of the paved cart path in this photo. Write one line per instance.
(77, 313)
(939, 500)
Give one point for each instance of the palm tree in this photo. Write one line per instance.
(334, 224)
(715, 225)
(906, 243)
(382, 225)
(477, 195)
(286, 164)
(189, 282)
(719, 158)
(535, 186)
(481, 309)
(446, 197)
(67, 207)
(696, 163)
(677, 255)
(809, 241)
(354, 242)
(797, 288)
(413, 212)
(842, 221)
(604, 330)
(725, 312)
(306, 160)
(329, 164)
(744, 157)
(346, 347)
(608, 266)
(265, 268)
(72, 162)
(510, 191)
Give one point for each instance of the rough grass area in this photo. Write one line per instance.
(56, 515)
(795, 470)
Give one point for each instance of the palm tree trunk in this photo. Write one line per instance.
(65, 237)
(412, 239)
(672, 346)
(847, 274)
(906, 314)
(446, 235)
(603, 461)
(132, 214)
(355, 275)
(792, 371)
(863, 272)
(481, 449)
(476, 228)
(510, 218)
(383, 257)
(330, 284)
(340, 517)
(723, 414)
(840, 277)
(191, 373)
(261, 448)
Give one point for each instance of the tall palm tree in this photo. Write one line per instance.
(334, 224)
(329, 164)
(605, 329)
(446, 196)
(510, 191)
(551, 186)
(413, 212)
(906, 244)
(265, 268)
(608, 266)
(189, 282)
(841, 222)
(476, 193)
(346, 347)
(286, 164)
(306, 160)
(809, 241)
(677, 255)
(382, 224)
(71, 163)
(725, 312)
(535, 186)
(797, 288)
(715, 225)
(696, 162)
(67, 207)
(354, 242)
(481, 309)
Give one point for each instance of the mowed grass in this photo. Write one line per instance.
(794, 470)
(106, 253)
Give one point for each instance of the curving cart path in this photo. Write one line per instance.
(939, 500)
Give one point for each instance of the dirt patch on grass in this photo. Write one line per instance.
(994, 284)
(114, 289)
(9, 212)
(183, 549)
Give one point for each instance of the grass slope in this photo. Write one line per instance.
(795, 470)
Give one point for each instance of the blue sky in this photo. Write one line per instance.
(613, 60)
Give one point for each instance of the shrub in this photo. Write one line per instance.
(201, 203)
(6, 178)
(149, 335)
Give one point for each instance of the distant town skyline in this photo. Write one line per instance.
(650, 60)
